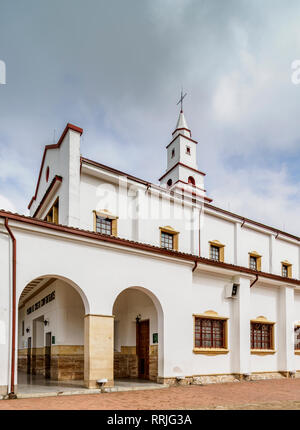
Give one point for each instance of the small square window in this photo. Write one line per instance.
(167, 240)
(253, 262)
(215, 253)
(103, 225)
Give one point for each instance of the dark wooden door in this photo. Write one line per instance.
(48, 356)
(29, 355)
(142, 347)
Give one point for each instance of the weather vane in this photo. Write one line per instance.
(181, 100)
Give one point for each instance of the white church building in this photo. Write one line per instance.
(112, 277)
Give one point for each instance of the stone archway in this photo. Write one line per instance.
(138, 335)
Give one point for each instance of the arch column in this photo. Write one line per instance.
(98, 350)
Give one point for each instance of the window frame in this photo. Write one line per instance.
(53, 213)
(296, 350)
(289, 267)
(171, 231)
(221, 246)
(258, 257)
(106, 214)
(263, 351)
(213, 316)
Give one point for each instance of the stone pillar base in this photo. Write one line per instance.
(98, 350)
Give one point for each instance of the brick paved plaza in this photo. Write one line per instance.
(265, 394)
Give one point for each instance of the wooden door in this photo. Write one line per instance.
(142, 348)
(29, 355)
(48, 356)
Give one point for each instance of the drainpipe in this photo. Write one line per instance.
(195, 266)
(255, 280)
(11, 394)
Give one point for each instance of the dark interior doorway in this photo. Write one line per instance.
(142, 348)
(48, 356)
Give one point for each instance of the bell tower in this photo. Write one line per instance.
(182, 170)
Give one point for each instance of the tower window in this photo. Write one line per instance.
(170, 182)
(188, 150)
(191, 180)
(173, 153)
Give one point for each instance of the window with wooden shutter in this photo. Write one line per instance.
(52, 215)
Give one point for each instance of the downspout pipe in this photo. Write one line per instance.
(255, 280)
(11, 394)
(195, 265)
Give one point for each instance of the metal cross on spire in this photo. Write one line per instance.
(181, 100)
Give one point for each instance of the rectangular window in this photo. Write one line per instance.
(103, 225)
(173, 153)
(167, 240)
(261, 335)
(209, 333)
(286, 270)
(52, 215)
(253, 262)
(23, 330)
(215, 253)
(188, 150)
(297, 338)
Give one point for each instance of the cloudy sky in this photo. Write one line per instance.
(115, 68)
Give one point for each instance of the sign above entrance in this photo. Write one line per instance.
(41, 303)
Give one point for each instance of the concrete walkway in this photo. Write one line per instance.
(37, 386)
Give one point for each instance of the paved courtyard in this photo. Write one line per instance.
(265, 394)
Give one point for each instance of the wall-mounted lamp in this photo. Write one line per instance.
(27, 330)
(46, 322)
(138, 318)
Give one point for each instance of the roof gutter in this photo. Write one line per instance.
(11, 394)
